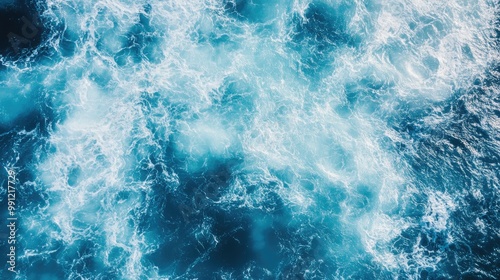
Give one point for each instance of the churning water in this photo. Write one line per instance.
(251, 139)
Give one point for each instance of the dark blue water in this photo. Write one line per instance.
(255, 139)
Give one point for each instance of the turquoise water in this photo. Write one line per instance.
(211, 139)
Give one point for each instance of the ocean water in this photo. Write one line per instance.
(251, 139)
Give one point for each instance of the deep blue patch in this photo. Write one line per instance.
(318, 33)
(22, 28)
(445, 162)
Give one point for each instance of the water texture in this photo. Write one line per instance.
(251, 139)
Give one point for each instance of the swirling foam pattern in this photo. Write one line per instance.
(255, 139)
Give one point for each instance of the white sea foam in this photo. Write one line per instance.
(415, 52)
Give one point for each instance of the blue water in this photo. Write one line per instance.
(235, 139)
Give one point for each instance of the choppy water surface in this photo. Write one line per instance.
(259, 139)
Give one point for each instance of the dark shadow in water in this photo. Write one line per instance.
(21, 29)
(318, 33)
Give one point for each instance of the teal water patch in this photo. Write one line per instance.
(253, 11)
(318, 32)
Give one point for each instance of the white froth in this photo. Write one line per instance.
(417, 51)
